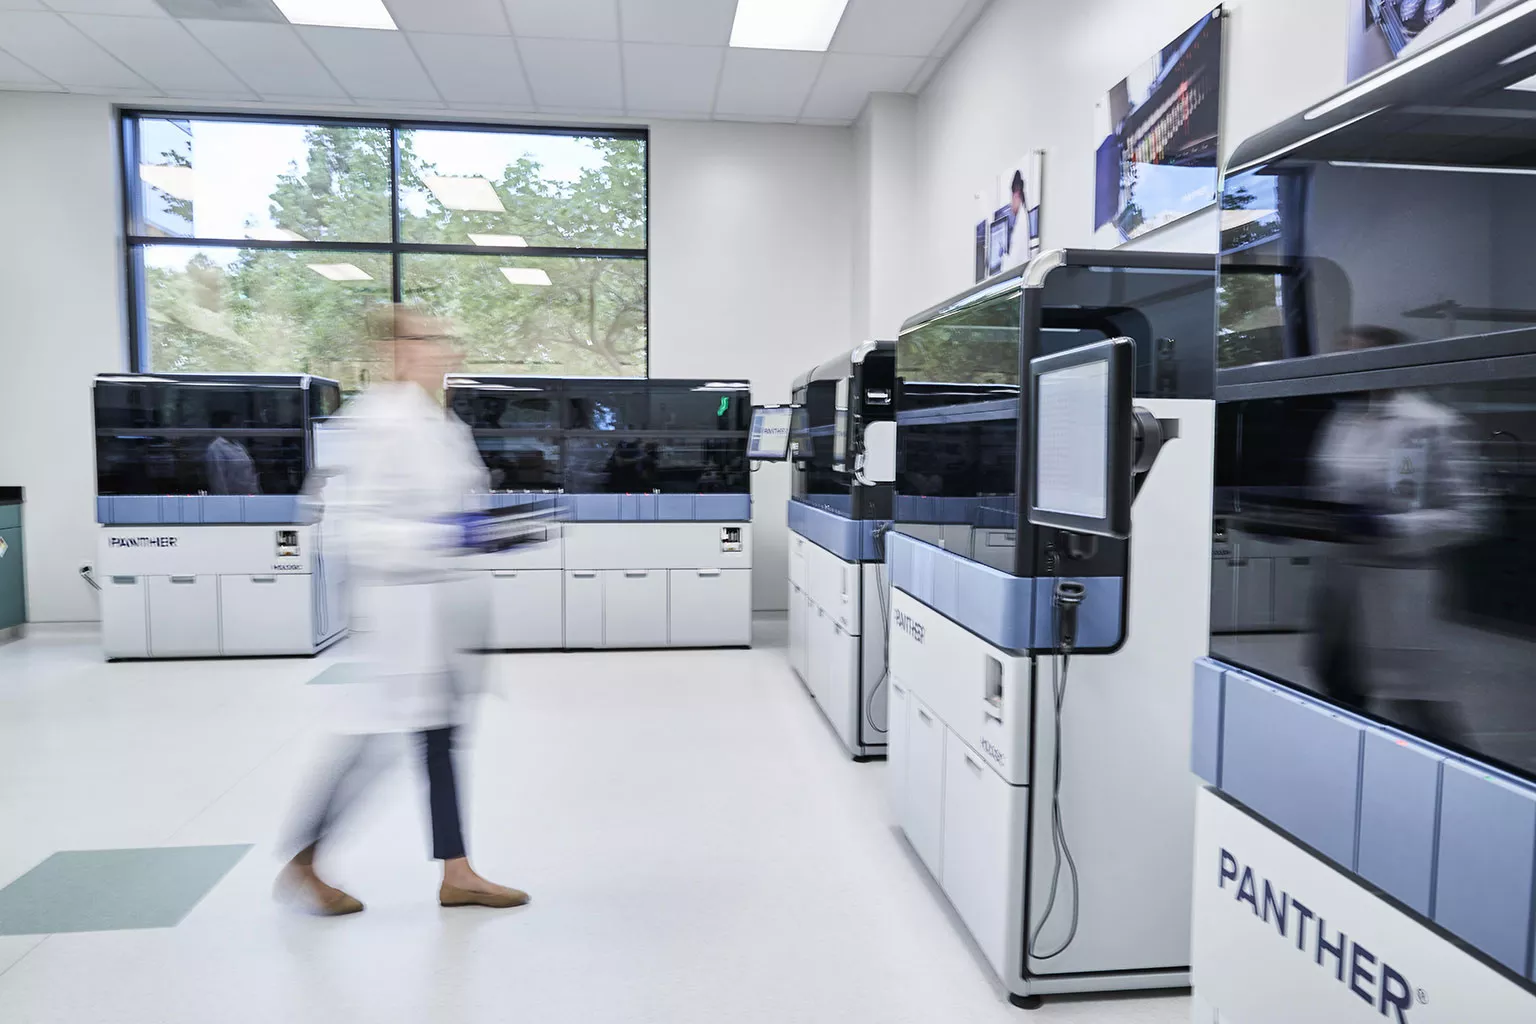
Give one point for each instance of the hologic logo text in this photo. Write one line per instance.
(1350, 963)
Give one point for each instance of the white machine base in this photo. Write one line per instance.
(217, 592)
(621, 586)
(1257, 958)
(837, 643)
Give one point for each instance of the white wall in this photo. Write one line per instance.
(751, 267)
(1028, 75)
(61, 323)
(885, 244)
(751, 271)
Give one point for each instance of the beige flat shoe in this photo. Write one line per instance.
(313, 896)
(453, 896)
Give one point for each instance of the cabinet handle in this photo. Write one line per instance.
(972, 762)
(635, 574)
(716, 572)
(898, 688)
(504, 575)
(263, 579)
(585, 575)
(925, 716)
(183, 579)
(125, 581)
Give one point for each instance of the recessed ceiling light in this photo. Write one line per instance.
(275, 235)
(527, 275)
(337, 13)
(786, 24)
(340, 272)
(504, 241)
(465, 193)
(178, 182)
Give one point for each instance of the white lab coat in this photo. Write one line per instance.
(406, 469)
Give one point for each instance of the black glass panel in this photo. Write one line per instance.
(324, 399)
(669, 465)
(511, 407)
(1378, 548)
(189, 464)
(608, 409)
(193, 406)
(521, 462)
(700, 408)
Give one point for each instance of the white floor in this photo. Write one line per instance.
(698, 848)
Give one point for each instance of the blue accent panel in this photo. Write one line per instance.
(995, 513)
(852, 540)
(1399, 794)
(1205, 736)
(723, 508)
(674, 507)
(135, 509)
(1293, 762)
(223, 508)
(589, 508)
(271, 508)
(645, 508)
(1098, 617)
(1487, 863)
(987, 601)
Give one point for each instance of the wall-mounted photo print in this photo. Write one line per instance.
(1380, 31)
(1008, 232)
(1159, 131)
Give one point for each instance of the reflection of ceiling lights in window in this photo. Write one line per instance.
(527, 275)
(465, 193)
(337, 13)
(503, 241)
(275, 235)
(178, 182)
(786, 24)
(340, 272)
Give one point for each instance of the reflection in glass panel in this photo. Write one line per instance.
(275, 182)
(219, 461)
(1375, 547)
(541, 316)
(512, 189)
(262, 310)
(521, 463)
(669, 465)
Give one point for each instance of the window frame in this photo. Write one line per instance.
(134, 244)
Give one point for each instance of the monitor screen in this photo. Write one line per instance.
(1081, 476)
(1072, 467)
(769, 437)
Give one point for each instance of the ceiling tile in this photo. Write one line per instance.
(474, 69)
(573, 73)
(766, 83)
(370, 64)
(697, 22)
(671, 79)
(14, 73)
(467, 17)
(847, 79)
(163, 52)
(57, 49)
(269, 58)
(565, 19)
(905, 28)
(131, 8)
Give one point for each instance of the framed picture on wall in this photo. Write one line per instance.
(1381, 31)
(1159, 134)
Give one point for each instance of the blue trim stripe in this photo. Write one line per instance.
(852, 540)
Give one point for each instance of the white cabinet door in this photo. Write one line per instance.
(635, 608)
(983, 815)
(584, 609)
(839, 695)
(526, 609)
(896, 752)
(796, 630)
(267, 614)
(125, 617)
(710, 607)
(183, 616)
(818, 629)
(923, 808)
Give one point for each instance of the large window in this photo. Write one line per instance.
(258, 245)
